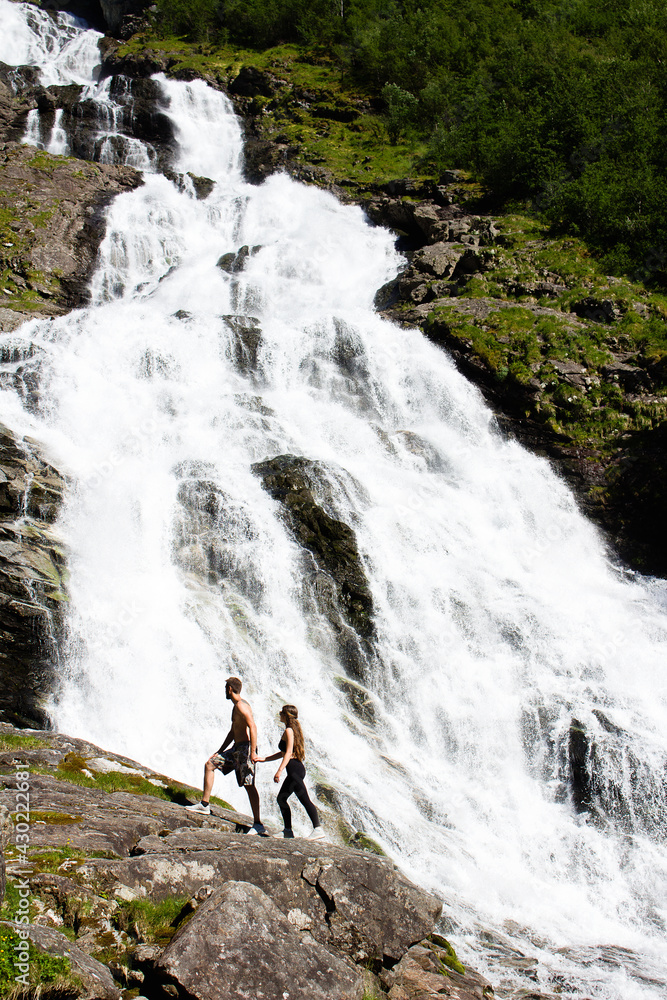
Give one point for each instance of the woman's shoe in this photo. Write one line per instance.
(317, 834)
(285, 834)
(257, 829)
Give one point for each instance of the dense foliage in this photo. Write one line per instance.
(559, 101)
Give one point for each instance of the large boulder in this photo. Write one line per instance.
(239, 946)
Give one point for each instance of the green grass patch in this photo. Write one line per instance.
(14, 741)
(44, 161)
(151, 922)
(54, 818)
(51, 860)
(73, 768)
(47, 974)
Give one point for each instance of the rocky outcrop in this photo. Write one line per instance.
(340, 897)
(558, 397)
(428, 972)
(334, 566)
(140, 116)
(52, 226)
(117, 865)
(52, 207)
(32, 577)
(599, 759)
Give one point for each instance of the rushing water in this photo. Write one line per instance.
(499, 617)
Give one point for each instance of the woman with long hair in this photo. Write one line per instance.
(292, 750)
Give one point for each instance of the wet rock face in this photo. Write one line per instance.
(613, 778)
(32, 578)
(235, 261)
(335, 568)
(578, 756)
(139, 116)
(246, 341)
(210, 530)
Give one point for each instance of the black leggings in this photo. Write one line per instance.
(293, 783)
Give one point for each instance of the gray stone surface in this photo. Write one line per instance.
(240, 946)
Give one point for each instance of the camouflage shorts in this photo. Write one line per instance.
(237, 759)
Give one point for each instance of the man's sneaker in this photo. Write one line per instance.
(285, 834)
(257, 829)
(317, 834)
(199, 807)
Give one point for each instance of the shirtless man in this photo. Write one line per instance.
(241, 756)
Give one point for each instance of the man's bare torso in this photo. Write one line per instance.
(240, 730)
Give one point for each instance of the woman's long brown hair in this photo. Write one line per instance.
(290, 715)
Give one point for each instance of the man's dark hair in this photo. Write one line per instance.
(235, 684)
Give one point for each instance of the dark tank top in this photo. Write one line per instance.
(295, 767)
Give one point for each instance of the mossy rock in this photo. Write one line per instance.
(445, 952)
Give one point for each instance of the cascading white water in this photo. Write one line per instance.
(499, 618)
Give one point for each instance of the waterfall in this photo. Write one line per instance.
(502, 629)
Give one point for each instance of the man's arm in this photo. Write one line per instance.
(228, 739)
(249, 720)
